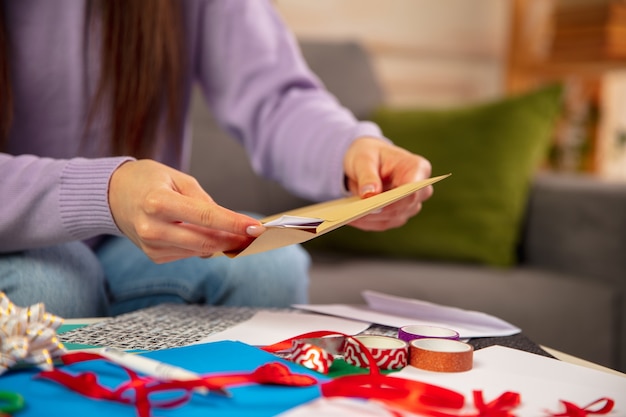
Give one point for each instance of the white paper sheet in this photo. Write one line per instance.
(399, 311)
(295, 222)
(337, 407)
(267, 327)
(540, 381)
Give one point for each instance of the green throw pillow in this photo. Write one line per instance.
(492, 151)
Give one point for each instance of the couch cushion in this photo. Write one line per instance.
(492, 151)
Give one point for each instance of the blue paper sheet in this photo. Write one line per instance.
(47, 398)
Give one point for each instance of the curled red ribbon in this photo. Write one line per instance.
(397, 394)
(425, 399)
(400, 394)
(572, 410)
(87, 384)
(502, 406)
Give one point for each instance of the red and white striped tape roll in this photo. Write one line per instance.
(312, 356)
(388, 352)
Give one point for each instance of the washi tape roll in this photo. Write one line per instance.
(312, 356)
(419, 331)
(388, 352)
(441, 355)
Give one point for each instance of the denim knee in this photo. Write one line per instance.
(278, 278)
(67, 278)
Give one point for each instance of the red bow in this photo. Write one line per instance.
(500, 407)
(572, 410)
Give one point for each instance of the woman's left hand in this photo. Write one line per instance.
(372, 166)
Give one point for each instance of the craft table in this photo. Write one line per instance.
(77, 333)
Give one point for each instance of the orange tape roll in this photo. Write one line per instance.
(441, 355)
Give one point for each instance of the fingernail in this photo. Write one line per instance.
(367, 189)
(255, 231)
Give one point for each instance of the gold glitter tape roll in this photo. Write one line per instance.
(441, 355)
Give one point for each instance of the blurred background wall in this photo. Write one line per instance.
(429, 53)
(445, 53)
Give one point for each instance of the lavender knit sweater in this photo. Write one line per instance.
(54, 180)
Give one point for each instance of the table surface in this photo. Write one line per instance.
(512, 342)
(176, 325)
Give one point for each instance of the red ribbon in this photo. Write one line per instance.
(500, 407)
(572, 410)
(287, 344)
(87, 383)
(400, 394)
(397, 394)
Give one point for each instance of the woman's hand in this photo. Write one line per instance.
(169, 216)
(372, 166)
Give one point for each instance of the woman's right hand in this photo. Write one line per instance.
(169, 216)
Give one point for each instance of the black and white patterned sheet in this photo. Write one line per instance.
(172, 325)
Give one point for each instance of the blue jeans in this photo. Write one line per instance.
(74, 281)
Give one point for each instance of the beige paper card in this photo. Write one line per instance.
(325, 217)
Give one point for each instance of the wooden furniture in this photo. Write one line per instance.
(576, 42)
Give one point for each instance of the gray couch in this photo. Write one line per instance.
(568, 290)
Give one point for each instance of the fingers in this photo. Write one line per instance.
(368, 181)
(425, 193)
(176, 226)
(392, 216)
(171, 206)
(373, 165)
(169, 216)
(214, 216)
(191, 241)
(361, 165)
(402, 167)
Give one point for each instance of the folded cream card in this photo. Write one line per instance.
(306, 223)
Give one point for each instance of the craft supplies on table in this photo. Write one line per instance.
(247, 380)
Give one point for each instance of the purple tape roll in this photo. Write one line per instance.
(418, 331)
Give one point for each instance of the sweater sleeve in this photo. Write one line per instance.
(49, 201)
(260, 90)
